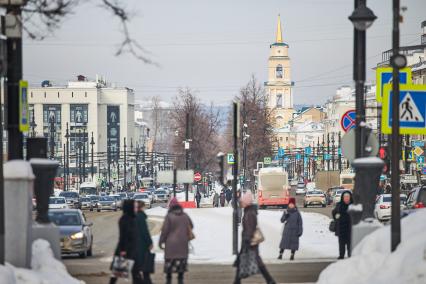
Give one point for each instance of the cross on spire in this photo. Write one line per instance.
(279, 37)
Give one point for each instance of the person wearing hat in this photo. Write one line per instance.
(293, 229)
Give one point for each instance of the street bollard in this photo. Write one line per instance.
(18, 185)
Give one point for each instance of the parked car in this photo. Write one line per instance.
(86, 203)
(161, 196)
(76, 232)
(57, 203)
(382, 208)
(71, 197)
(315, 197)
(417, 198)
(106, 203)
(143, 197)
(300, 188)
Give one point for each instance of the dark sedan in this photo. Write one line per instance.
(76, 232)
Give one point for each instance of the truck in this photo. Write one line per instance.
(327, 179)
(273, 188)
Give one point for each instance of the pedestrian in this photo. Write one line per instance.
(222, 198)
(250, 226)
(293, 229)
(343, 223)
(198, 198)
(127, 242)
(176, 234)
(228, 195)
(216, 200)
(144, 242)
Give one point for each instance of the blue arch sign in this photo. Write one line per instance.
(348, 120)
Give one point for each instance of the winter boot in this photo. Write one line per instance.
(280, 256)
(169, 279)
(266, 275)
(180, 278)
(292, 256)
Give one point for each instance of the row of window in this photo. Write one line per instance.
(45, 95)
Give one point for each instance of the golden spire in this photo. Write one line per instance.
(279, 33)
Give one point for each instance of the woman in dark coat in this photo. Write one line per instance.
(343, 223)
(293, 229)
(127, 243)
(249, 224)
(175, 238)
(144, 241)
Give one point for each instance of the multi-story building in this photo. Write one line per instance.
(86, 106)
(279, 84)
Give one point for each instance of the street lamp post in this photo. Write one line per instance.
(333, 148)
(52, 137)
(125, 166)
(67, 153)
(328, 151)
(84, 153)
(339, 152)
(92, 168)
(109, 162)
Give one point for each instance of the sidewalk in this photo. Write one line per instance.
(297, 272)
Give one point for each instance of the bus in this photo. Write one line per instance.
(88, 188)
(347, 180)
(147, 182)
(273, 188)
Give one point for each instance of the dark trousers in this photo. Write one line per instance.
(344, 243)
(169, 278)
(146, 278)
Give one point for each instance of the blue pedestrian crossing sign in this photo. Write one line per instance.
(420, 159)
(412, 109)
(281, 152)
(230, 159)
(384, 76)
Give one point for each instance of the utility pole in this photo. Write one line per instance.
(340, 153)
(65, 168)
(235, 181)
(92, 143)
(187, 152)
(67, 153)
(52, 137)
(84, 153)
(125, 166)
(13, 26)
(328, 151)
(109, 162)
(333, 148)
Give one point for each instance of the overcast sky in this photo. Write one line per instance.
(214, 46)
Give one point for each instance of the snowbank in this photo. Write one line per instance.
(45, 269)
(372, 261)
(213, 231)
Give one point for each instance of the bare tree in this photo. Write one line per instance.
(204, 126)
(255, 114)
(41, 17)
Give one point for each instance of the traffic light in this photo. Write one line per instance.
(221, 160)
(383, 154)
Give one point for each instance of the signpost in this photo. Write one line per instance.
(347, 122)
(197, 177)
(24, 123)
(267, 160)
(384, 76)
(230, 159)
(412, 109)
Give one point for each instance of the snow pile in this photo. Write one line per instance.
(213, 231)
(45, 269)
(372, 261)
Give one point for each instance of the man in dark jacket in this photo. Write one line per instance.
(144, 242)
(228, 194)
(293, 229)
(198, 198)
(343, 223)
(127, 243)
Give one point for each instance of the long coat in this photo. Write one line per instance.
(144, 237)
(343, 221)
(175, 234)
(293, 229)
(127, 237)
(249, 223)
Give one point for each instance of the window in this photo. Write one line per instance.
(279, 100)
(286, 139)
(279, 71)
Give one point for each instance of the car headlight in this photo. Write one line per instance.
(98, 204)
(77, 236)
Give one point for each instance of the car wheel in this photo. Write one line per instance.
(305, 205)
(83, 254)
(115, 209)
(99, 210)
(324, 205)
(91, 209)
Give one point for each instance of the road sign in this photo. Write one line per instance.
(418, 151)
(308, 150)
(412, 109)
(24, 117)
(197, 177)
(420, 159)
(348, 145)
(281, 152)
(267, 160)
(230, 159)
(384, 76)
(327, 156)
(347, 122)
(417, 143)
(423, 170)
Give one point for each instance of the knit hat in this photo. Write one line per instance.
(246, 199)
(173, 202)
(292, 200)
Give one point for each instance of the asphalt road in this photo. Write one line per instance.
(95, 270)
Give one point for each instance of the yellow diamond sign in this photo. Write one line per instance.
(418, 151)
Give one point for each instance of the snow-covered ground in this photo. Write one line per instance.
(45, 269)
(213, 231)
(372, 261)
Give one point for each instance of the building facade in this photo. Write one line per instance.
(279, 84)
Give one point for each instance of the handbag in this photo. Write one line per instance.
(247, 265)
(149, 263)
(191, 235)
(332, 226)
(122, 267)
(257, 237)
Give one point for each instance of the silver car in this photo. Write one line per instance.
(76, 232)
(86, 203)
(161, 196)
(106, 203)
